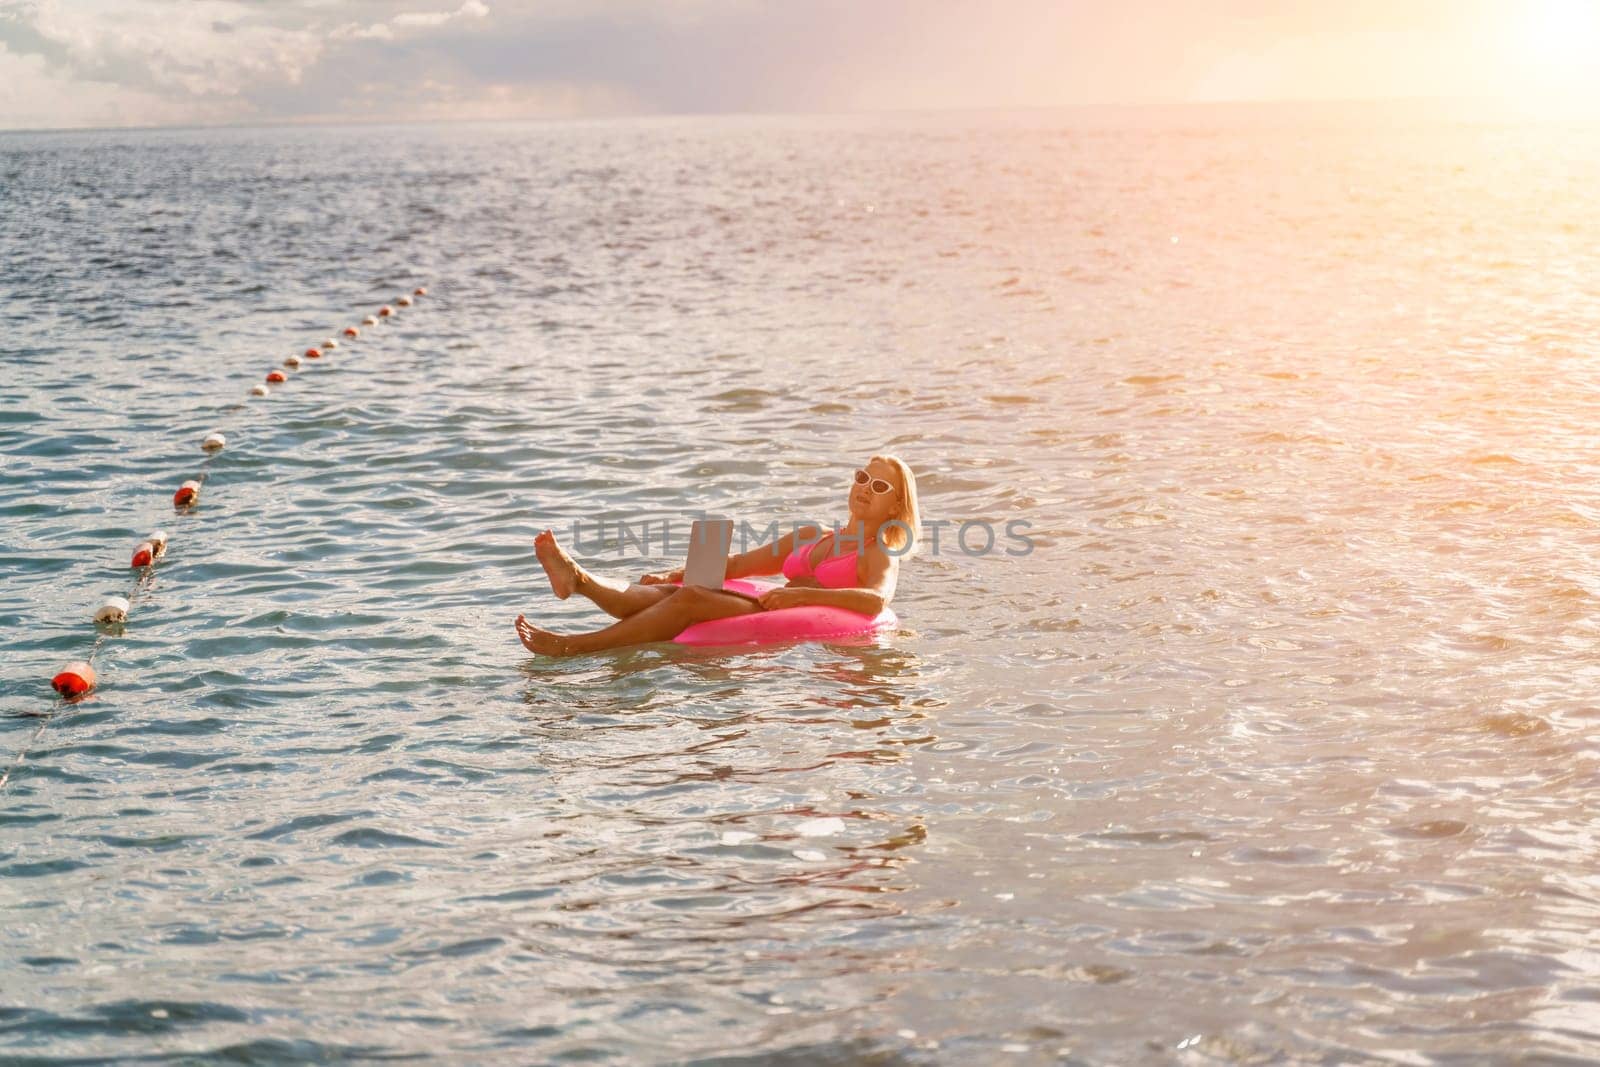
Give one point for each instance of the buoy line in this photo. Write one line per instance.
(76, 679)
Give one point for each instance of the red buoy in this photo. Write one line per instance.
(313, 353)
(385, 311)
(419, 291)
(144, 555)
(351, 331)
(277, 376)
(187, 494)
(73, 680)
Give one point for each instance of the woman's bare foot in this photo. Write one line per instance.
(565, 575)
(543, 642)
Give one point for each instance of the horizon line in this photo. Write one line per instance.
(1080, 106)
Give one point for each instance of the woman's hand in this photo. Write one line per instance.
(662, 577)
(782, 597)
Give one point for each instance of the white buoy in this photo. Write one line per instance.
(369, 321)
(260, 390)
(158, 542)
(404, 301)
(330, 343)
(214, 442)
(115, 609)
(292, 361)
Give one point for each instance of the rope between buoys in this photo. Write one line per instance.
(147, 572)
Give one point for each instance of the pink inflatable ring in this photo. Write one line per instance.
(811, 623)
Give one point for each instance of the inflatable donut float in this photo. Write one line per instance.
(810, 623)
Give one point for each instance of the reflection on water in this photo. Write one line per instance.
(1278, 746)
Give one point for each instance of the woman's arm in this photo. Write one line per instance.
(662, 577)
(865, 601)
(763, 559)
(768, 559)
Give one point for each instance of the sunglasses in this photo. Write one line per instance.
(879, 486)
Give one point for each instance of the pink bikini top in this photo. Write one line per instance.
(834, 572)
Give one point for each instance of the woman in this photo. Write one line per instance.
(883, 516)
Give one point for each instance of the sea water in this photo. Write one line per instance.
(1280, 743)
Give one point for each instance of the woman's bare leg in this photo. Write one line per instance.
(621, 600)
(617, 599)
(660, 622)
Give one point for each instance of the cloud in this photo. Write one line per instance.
(471, 9)
(35, 95)
(413, 20)
(70, 63)
(169, 50)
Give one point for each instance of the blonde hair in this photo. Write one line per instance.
(903, 537)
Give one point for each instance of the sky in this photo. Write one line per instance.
(76, 63)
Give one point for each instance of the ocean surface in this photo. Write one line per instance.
(1283, 743)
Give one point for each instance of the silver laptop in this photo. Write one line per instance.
(707, 564)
